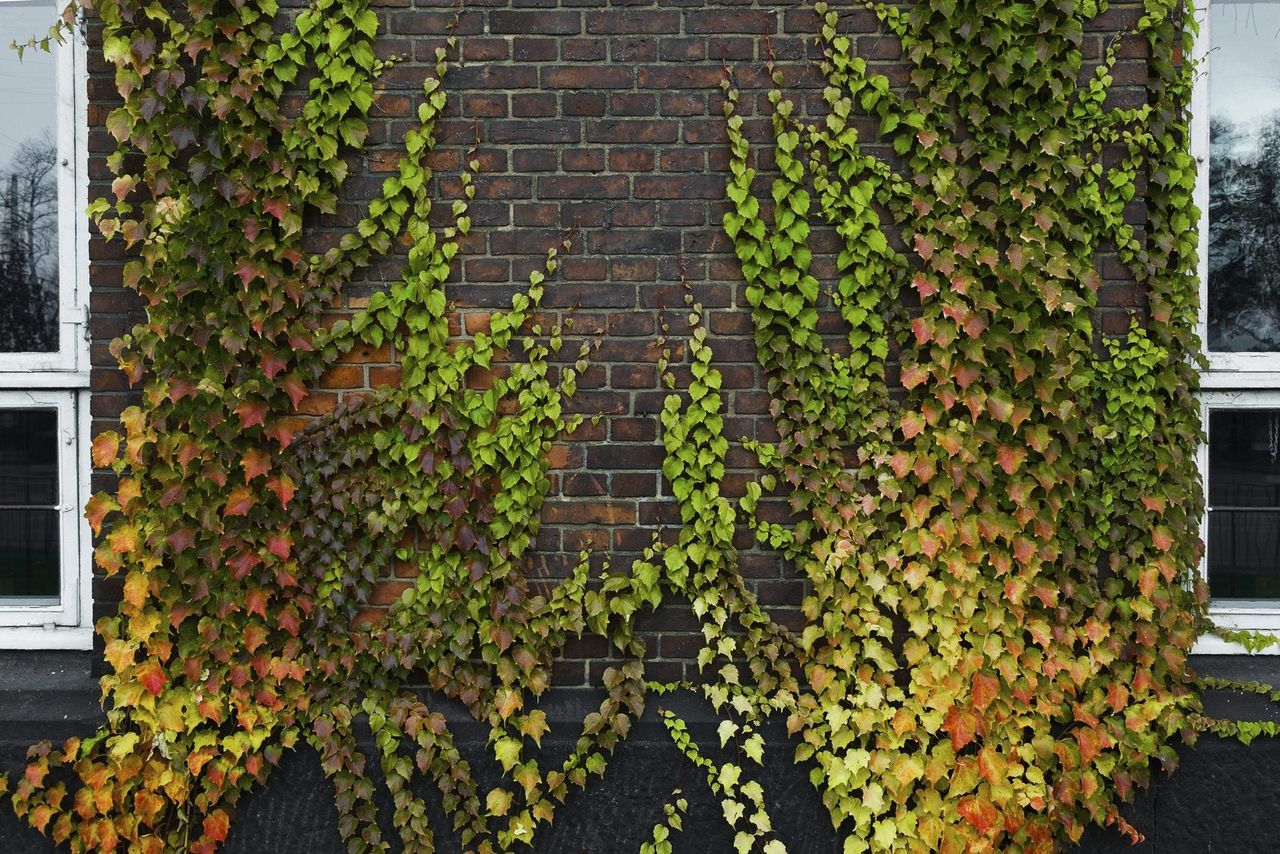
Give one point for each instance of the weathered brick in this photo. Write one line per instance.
(630, 21)
(543, 21)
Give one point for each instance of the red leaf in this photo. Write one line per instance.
(283, 487)
(913, 375)
(276, 207)
(279, 544)
(181, 540)
(924, 247)
(255, 635)
(187, 452)
(961, 725)
(242, 564)
(965, 374)
(923, 286)
(282, 434)
(295, 389)
(912, 424)
(1010, 459)
(272, 364)
(180, 387)
(1162, 538)
(1016, 259)
(1147, 579)
(152, 677)
(1023, 549)
(247, 271)
(252, 412)
(1091, 743)
(287, 619)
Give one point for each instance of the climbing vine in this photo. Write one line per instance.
(995, 508)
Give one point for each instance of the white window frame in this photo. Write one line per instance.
(1231, 380)
(60, 380)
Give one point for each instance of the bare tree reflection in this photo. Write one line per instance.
(29, 249)
(1244, 236)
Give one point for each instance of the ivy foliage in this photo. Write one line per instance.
(247, 538)
(1000, 540)
(1002, 555)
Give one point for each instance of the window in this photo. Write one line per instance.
(44, 358)
(1237, 141)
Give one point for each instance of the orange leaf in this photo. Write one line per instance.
(97, 509)
(256, 602)
(1010, 459)
(961, 725)
(252, 412)
(981, 814)
(239, 502)
(105, 448)
(256, 462)
(295, 389)
(985, 689)
(216, 825)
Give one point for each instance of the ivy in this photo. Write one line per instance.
(995, 510)
(1002, 553)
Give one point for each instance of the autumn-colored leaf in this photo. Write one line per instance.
(1162, 538)
(251, 412)
(105, 448)
(97, 508)
(962, 725)
(279, 544)
(240, 501)
(284, 488)
(255, 601)
(981, 814)
(986, 688)
(293, 387)
(256, 462)
(216, 825)
(152, 677)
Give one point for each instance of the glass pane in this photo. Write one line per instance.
(28, 457)
(1244, 503)
(1244, 177)
(29, 555)
(28, 184)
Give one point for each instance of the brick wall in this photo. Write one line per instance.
(604, 118)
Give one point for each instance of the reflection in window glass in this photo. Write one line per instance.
(28, 184)
(1244, 177)
(1244, 503)
(29, 551)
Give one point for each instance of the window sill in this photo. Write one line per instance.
(41, 638)
(44, 379)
